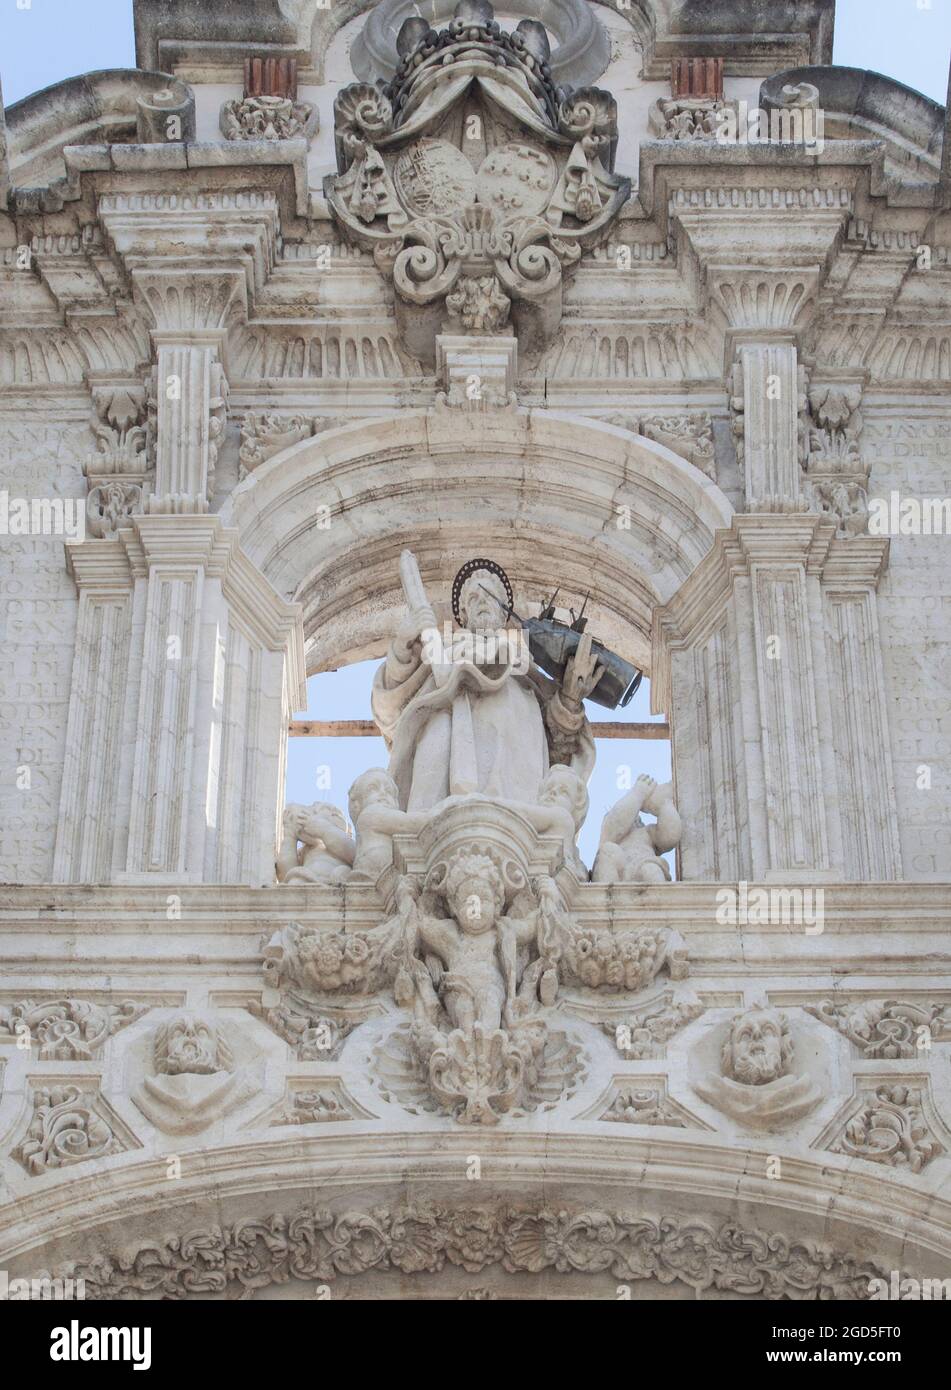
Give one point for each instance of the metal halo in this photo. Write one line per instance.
(470, 568)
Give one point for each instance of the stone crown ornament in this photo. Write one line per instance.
(473, 179)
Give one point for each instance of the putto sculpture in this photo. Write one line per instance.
(317, 847)
(473, 179)
(474, 973)
(630, 849)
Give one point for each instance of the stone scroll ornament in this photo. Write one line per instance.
(473, 180)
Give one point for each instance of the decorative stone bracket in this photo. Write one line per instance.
(479, 939)
(269, 109)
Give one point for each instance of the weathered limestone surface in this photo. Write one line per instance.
(298, 370)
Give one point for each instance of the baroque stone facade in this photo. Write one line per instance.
(356, 334)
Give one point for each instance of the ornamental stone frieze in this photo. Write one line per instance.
(473, 179)
(424, 1238)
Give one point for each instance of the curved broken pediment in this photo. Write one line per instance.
(112, 107)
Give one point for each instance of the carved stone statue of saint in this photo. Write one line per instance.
(475, 715)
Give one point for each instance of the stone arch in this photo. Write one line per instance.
(258, 1212)
(542, 492)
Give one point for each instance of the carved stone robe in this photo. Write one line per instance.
(487, 728)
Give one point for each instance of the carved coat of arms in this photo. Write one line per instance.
(474, 181)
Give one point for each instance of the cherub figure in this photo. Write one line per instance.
(376, 815)
(326, 848)
(559, 809)
(467, 964)
(630, 847)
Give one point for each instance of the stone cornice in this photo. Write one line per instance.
(706, 199)
(99, 566)
(232, 910)
(197, 166)
(857, 563)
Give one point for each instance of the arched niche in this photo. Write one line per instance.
(558, 500)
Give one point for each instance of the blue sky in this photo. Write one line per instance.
(47, 40)
(43, 41)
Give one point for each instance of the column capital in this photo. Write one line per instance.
(190, 303)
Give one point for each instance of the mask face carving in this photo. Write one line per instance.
(759, 1083)
(758, 1048)
(189, 1044)
(194, 1080)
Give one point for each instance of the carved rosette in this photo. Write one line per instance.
(482, 226)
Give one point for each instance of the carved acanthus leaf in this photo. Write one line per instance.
(317, 1245)
(268, 118)
(890, 1127)
(67, 1126)
(66, 1030)
(110, 504)
(264, 434)
(644, 1105)
(886, 1029)
(119, 424)
(648, 1029)
(314, 1036)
